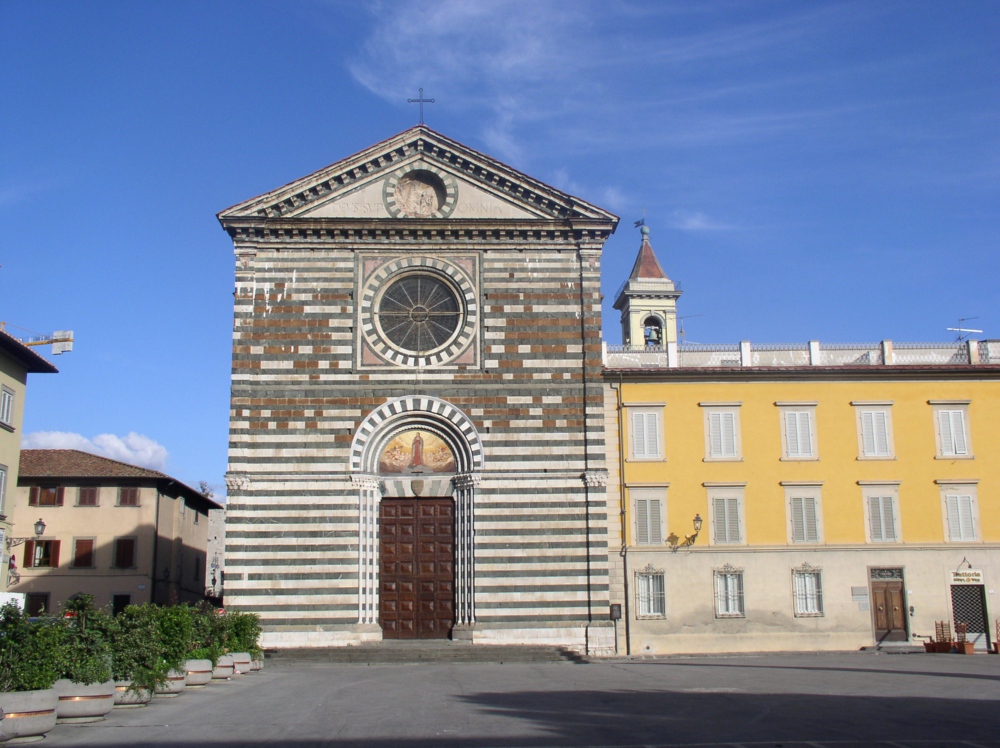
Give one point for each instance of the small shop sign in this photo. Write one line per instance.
(967, 576)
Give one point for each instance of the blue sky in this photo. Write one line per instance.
(823, 170)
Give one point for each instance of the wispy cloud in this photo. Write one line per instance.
(684, 220)
(133, 448)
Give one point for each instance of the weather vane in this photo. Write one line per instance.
(641, 221)
(420, 100)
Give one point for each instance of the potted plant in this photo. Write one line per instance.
(86, 690)
(962, 643)
(137, 662)
(204, 648)
(243, 632)
(174, 625)
(29, 666)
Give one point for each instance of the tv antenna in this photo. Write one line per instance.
(963, 331)
(680, 325)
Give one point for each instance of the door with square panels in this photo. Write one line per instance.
(416, 568)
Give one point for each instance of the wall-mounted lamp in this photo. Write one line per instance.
(689, 539)
(39, 531)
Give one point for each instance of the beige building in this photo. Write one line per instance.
(122, 533)
(16, 362)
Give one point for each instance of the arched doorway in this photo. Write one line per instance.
(416, 463)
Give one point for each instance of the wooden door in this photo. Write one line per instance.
(889, 610)
(417, 568)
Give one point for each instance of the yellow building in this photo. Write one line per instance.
(16, 362)
(798, 497)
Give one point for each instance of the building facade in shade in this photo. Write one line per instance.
(797, 497)
(417, 444)
(16, 362)
(124, 534)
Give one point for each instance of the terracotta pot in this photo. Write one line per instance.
(176, 680)
(199, 673)
(930, 647)
(28, 715)
(223, 668)
(127, 697)
(79, 703)
(966, 648)
(942, 647)
(241, 662)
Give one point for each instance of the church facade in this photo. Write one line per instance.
(429, 439)
(417, 444)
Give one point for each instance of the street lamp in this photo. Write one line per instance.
(39, 531)
(689, 539)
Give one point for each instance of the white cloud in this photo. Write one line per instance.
(135, 449)
(694, 221)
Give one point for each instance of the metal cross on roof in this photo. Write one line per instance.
(421, 100)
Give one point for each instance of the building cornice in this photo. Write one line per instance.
(902, 373)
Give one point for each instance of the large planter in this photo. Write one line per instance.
(176, 680)
(942, 647)
(80, 703)
(127, 697)
(965, 648)
(256, 665)
(223, 668)
(28, 715)
(199, 673)
(241, 662)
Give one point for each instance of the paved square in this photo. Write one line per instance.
(767, 700)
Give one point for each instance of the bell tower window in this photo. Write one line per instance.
(652, 332)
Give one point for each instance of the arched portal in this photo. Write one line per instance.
(416, 462)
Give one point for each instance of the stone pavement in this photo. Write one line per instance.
(786, 700)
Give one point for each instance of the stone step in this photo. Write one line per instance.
(416, 652)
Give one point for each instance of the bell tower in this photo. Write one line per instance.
(648, 303)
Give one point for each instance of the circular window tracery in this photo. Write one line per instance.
(419, 313)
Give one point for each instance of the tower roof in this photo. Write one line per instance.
(646, 264)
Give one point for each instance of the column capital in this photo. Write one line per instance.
(467, 480)
(237, 482)
(363, 480)
(595, 478)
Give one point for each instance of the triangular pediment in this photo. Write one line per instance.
(418, 174)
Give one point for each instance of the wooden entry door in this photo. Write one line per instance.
(889, 610)
(416, 568)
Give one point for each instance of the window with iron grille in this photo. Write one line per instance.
(650, 592)
(729, 593)
(807, 589)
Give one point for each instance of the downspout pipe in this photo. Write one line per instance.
(624, 515)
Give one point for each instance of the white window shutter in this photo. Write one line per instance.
(868, 432)
(957, 420)
(652, 435)
(954, 517)
(791, 433)
(811, 520)
(721, 528)
(965, 511)
(888, 519)
(655, 533)
(729, 434)
(715, 434)
(798, 521)
(638, 435)
(947, 438)
(881, 434)
(641, 521)
(805, 434)
(875, 518)
(733, 519)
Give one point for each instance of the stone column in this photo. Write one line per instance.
(465, 557)
(369, 493)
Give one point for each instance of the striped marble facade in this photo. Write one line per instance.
(519, 401)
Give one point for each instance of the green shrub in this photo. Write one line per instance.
(243, 632)
(84, 656)
(174, 625)
(208, 633)
(133, 638)
(29, 651)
